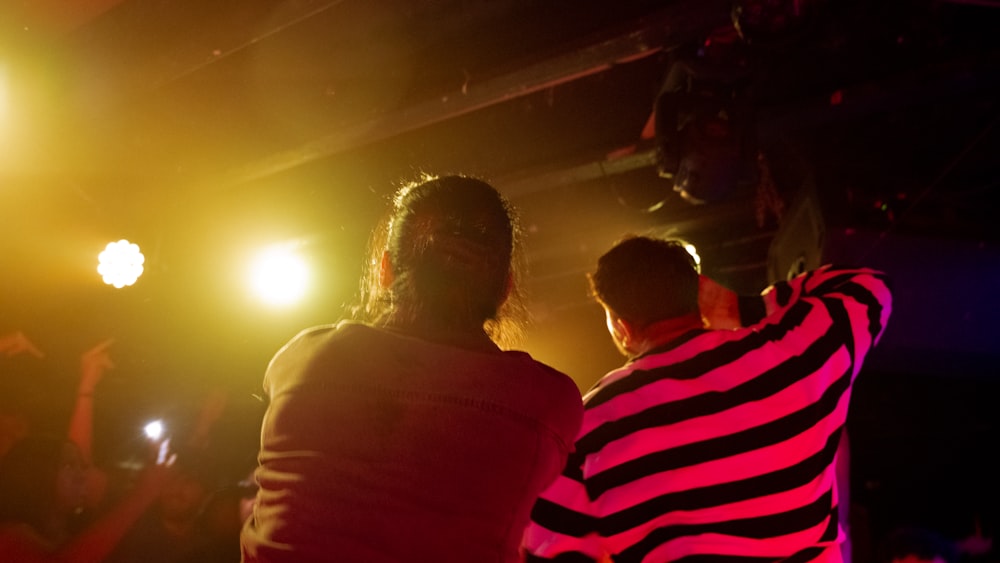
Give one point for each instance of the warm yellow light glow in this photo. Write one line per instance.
(4, 96)
(279, 276)
(5, 110)
(121, 263)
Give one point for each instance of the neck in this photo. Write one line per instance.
(473, 338)
(663, 332)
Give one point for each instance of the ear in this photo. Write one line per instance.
(385, 274)
(625, 331)
(620, 330)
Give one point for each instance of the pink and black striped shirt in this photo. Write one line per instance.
(721, 445)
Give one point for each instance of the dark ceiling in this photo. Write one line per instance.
(202, 129)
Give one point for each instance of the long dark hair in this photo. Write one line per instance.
(454, 244)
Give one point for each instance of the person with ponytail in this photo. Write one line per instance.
(412, 432)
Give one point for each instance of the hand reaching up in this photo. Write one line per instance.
(93, 365)
(17, 343)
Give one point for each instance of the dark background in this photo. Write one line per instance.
(202, 130)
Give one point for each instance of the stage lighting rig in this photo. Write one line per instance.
(704, 120)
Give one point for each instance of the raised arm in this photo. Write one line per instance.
(17, 343)
(93, 365)
(863, 293)
(860, 297)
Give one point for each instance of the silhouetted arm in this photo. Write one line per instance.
(17, 343)
(93, 365)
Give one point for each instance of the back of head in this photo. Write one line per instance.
(451, 242)
(645, 280)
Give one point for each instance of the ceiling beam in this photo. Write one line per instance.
(664, 30)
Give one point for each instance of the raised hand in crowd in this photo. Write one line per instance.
(17, 343)
(94, 363)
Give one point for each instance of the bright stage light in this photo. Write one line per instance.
(153, 430)
(279, 276)
(121, 263)
(694, 254)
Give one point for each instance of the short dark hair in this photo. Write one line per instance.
(454, 241)
(644, 280)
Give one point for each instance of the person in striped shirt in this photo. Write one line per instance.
(714, 442)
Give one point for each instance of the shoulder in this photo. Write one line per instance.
(348, 334)
(316, 336)
(543, 375)
(313, 347)
(550, 392)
